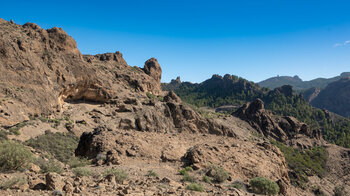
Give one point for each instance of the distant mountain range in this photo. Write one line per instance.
(299, 84)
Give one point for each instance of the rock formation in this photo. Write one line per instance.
(284, 129)
(335, 97)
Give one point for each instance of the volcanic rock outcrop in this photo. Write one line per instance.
(284, 129)
(47, 65)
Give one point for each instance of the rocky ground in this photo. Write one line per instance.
(136, 137)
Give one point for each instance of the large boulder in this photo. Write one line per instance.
(153, 69)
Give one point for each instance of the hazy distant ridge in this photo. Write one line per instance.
(298, 83)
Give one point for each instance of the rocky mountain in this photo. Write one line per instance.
(73, 124)
(311, 93)
(299, 84)
(228, 92)
(216, 91)
(335, 97)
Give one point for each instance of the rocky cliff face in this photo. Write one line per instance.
(284, 129)
(335, 97)
(47, 65)
(311, 94)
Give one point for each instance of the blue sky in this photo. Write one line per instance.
(253, 39)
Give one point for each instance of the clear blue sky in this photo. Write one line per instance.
(254, 39)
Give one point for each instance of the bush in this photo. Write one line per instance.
(261, 185)
(49, 166)
(80, 171)
(3, 135)
(120, 175)
(150, 95)
(187, 178)
(78, 162)
(237, 185)
(14, 156)
(218, 173)
(60, 145)
(195, 187)
(304, 163)
(151, 173)
(206, 179)
(12, 182)
(15, 129)
(185, 170)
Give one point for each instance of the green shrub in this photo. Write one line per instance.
(3, 134)
(150, 95)
(218, 173)
(151, 173)
(12, 182)
(236, 185)
(80, 171)
(74, 162)
(15, 129)
(120, 175)
(60, 145)
(185, 170)
(304, 163)
(49, 166)
(206, 179)
(261, 185)
(14, 156)
(195, 187)
(187, 178)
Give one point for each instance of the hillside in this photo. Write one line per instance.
(299, 84)
(73, 124)
(232, 90)
(335, 97)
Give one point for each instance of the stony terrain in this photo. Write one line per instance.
(125, 122)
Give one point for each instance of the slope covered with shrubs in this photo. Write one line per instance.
(232, 90)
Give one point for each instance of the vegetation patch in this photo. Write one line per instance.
(261, 185)
(185, 170)
(3, 134)
(237, 185)
(120, 175)
(187, 178)
(49, 165)
(217, 173)
(80, 171)
(74, 162)
(151, 173)
(206, 179)
(195, 187)
(14, 156)
(60, 145)
(304, 163)
(16, 181)
(15, 129)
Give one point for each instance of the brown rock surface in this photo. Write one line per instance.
(284, 129)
